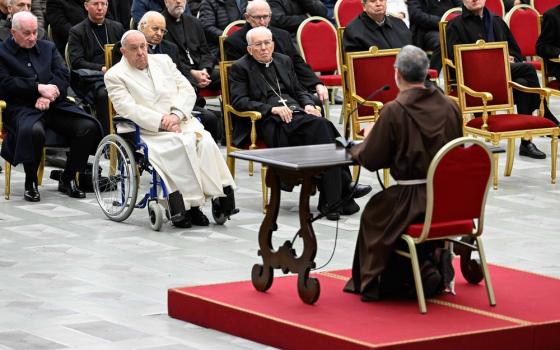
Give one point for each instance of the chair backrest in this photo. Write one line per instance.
(483, 67)
(544, 5)
(523, 22)
(317, 43)
(457, 184)
(447, 65)
(226, 106)
(346, 10)
(496, 7)
(367, 72)
(229, 30)
(67, 57)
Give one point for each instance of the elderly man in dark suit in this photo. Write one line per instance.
(15, 6)
(86, 48)
(258, 14)
(266, 82)
(33, 82)
(548, 44)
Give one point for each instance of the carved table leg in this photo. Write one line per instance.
(262, 274)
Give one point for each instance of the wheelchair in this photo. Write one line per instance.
(118, 165)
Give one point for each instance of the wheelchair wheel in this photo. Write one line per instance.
(217, 212)
(115, 178)
(156, 215)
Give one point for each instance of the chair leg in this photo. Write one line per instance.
(487, 280)
(495, 171)
(231, 165)
(510, 155)
(355, 171)
(7, 179)
(264, 187)
(416, 273)
(41, 169)
(554, 156)
(251, 168)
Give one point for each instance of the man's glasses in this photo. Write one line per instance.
(158, 29)
(260, 18)
(265, 43)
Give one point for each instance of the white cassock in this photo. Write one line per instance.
(189, 161)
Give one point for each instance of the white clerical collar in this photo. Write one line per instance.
(267, 64)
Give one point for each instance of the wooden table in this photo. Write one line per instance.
(291, 166)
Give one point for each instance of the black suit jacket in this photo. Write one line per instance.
(18, 87)
(195, 43)
(81, 43)
(235, 47)
(468, 28)
(119, 10)
(248, 90)
(63, 15)
(363, 33)
(548, 45)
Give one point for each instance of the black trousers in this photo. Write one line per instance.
(101, 104)
(306, 129)
(430, 42)
(82, 133)
(212, 121)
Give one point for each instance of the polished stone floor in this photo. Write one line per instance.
(72, 279)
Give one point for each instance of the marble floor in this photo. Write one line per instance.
(72, 279)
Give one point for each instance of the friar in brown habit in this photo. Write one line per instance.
(407, 135)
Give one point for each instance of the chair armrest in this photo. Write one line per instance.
(485, 96)
(376, 105)
(2, 105)
(555, 60)
(449, 63)
(532, 90)
(254, 115)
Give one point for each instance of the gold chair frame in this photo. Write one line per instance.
(254, 116)
(510, 136)
(413, 241)
(302, 51)
(223, 37)
(447, 65)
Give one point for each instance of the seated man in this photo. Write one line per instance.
(86, 48)
(374, 28)
(215, 15)
(186, 32)
(288, 14)
(265, 81)
(258, 15)
(424, 20)
(151, 92)
(15, 6)
(63, 15)
(407, 135)
(477, 22)
(548, 44)
(33, 82)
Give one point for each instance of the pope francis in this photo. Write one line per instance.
(150, 91)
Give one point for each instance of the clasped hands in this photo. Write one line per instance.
(285, 113)
(171, 123)
(49, 93)
(202, 77)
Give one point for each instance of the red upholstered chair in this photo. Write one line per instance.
(544, 5)
(486, 89)
(448, 67)
(457, 185)
(317, 43)
(496, 7)
(523, 21)
(229, 30)
(346, 10)
(254, 116)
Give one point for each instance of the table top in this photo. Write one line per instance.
(299, 157)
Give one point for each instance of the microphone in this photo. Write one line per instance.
(368, 98)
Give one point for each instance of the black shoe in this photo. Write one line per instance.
(531, 151)
(32, 193)
(333, 215)
(185, 221)
(197, 217)
(350, 207)
(360, 191)
(70, 188)
(337, 100)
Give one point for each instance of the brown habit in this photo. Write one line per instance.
(408, 134)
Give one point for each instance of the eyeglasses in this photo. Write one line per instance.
(260, 18)
(265, 43)
(158, 29)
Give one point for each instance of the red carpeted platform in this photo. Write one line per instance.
(527, 315)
